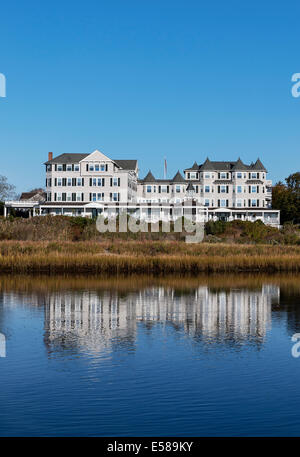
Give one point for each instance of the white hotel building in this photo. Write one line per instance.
(92, 184)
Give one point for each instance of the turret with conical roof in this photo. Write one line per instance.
(178, 177)
(258, 166)
(207, 165)
(239, 165)
(149, 177)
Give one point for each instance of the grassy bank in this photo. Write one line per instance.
(144, 257)
(62, 228)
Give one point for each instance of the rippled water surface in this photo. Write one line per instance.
(149, 357)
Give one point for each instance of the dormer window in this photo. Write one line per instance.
(193, 175)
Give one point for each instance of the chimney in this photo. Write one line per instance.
(50, 156)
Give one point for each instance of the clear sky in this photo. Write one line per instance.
(147, 80)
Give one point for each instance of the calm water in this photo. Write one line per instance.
(142, 357)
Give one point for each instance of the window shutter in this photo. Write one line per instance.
(227, 189)
(90, 197)
(82, 197)
(55, 182)
(87, 167)
(258, 203)
(55, 197)
(110, 196)
(91, 182)
(82, 182)
(106, 167)
(227, 175)
(55, 167)
(118, 196)
(227, 203)
(110, 182)
(119, 182)
(73, 181)
(167, 189)
(257, 175)
(249, 189)
(218, 188)
(249, 202)
(64, 167)
(218, 202)
(64, 183)
(159, 189)
(257, 189)
(73, 197)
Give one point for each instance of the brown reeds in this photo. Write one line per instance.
(148, 257)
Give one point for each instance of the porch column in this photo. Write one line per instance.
(5, 211)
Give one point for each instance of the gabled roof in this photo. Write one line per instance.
(76, 158)
(149, 177)
(178, 177)
(67, 158)
(258, 166)
(126, 164)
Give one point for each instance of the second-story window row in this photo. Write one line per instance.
(67, 182)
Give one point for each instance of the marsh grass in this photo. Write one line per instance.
(144, 257)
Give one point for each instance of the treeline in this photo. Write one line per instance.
(286, 198)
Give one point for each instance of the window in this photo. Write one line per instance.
(164, 189)
(59, 181)
(69, 167)
(115, 197)
(91, 167)
(149, 189)
(115, 182)
(223, 175)
(49, 167)
(102, 167)
(253, 175)
(207, 175)
(253, 203)
(206, 203)
(223, 189)
(239, 189)
(59, 167)
(58, 196)
(69, 197)
(223, 203)
(78, 196)
(69, 181)
(207, 189)
(177, 189)
(253, 189)
(239, 203)
(98, 182)
(239, 175)
(193, 175)
(100, 197)
(79, 182)
(76, 167)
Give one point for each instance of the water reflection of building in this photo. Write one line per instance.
(98, 322)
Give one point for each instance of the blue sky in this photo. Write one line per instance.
(147, 80)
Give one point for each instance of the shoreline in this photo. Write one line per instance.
(149, 257)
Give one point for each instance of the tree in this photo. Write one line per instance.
(6, 190)
(286, 198)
